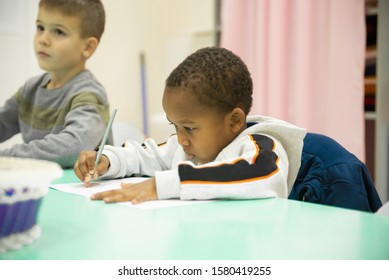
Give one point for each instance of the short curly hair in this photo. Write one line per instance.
(90, 12)
(218, 78)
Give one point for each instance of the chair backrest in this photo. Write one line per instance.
(125, 131)
(331, 175)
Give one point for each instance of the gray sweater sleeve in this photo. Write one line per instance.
(83, 130)
(9, 125)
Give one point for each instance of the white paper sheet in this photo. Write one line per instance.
(100, 186)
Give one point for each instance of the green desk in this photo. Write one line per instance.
(74, 228)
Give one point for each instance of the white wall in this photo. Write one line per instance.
(166, 31)
(17, 60)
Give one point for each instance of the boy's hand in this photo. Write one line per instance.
(136, 193)
(83, 168)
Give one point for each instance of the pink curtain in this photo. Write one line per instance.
(307, 62)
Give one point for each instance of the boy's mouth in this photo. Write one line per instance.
(42, 54)
(189, 155)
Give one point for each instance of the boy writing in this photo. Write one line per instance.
(64, 110)
(217, 151)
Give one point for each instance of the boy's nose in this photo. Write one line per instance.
(43, 39)
(182, 140)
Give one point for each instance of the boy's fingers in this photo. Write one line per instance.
(90, 161)
(141, 197)
(87, 180)
(117, 197)
(126, 185)
(101, 167)
(128, 192)
(77, 171)
(96, 175)
(101, 195)
(80, 170)
(82, 165)
(110, 196)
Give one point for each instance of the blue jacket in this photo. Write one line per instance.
(331, 175)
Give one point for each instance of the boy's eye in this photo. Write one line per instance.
(186, 128)
(59, 32)
(39, 28)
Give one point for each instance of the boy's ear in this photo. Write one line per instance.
(91, 44)
(238, 119)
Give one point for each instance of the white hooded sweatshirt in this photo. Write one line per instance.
(261, 162)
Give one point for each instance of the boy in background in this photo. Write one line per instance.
(217, 152)
(65, 110)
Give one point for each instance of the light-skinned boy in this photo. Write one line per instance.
(65, 110)
(217, 152)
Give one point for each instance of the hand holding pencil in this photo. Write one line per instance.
(90, 164)
(85, 168)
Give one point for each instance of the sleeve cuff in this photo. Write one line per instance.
(114, 170)
(168, 184)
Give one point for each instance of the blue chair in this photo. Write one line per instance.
(331, 175)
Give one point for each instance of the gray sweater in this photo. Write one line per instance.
(55, 124)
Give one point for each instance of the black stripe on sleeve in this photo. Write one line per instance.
(265, 163)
